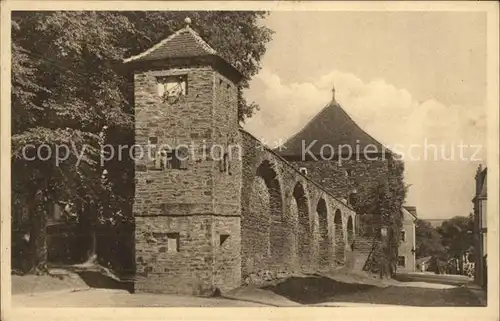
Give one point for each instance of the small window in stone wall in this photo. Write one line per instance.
(170, 88)
(170, 158)
(403, 235)
(401, 261)
(225, 164)
(178, 158)
(159, 163)
(173, 242)
(223, 239)
(352, 198)
(154, 154)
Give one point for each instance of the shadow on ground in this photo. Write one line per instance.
(95, 279)
(314, 289)
(96, 276)
(414, 296)
(320, 289)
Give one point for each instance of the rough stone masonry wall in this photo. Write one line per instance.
(341, 178)
(174, 191)
(277, 236)
(200, 204)
(226, 184)
(186, 271)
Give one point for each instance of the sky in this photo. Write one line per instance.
(407, 78)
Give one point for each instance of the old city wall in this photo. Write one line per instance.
(289, 223)
(341, 177)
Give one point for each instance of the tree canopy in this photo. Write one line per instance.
(450, 240)
(456, 234)
(386, 198)
(428, 240)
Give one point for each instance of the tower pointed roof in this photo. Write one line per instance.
(332, 126)
(184, 43)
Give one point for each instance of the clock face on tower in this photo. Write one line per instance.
(171, 88)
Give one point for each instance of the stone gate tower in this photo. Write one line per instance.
(188, 180)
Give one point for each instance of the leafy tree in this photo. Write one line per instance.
(387, 199)
(456, 235)
(69, 88)
(428, 240)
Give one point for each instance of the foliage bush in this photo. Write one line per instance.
(388, 198)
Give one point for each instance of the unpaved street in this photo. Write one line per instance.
(422, 290)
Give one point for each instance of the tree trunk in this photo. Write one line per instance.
(91, 253)
(89, 229)
(37, 246)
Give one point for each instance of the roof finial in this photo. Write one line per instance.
(333, 94)
(187, 21)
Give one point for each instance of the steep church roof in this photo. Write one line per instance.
(331, 126)
(184, 43)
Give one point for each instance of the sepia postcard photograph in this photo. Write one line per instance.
(297, 160)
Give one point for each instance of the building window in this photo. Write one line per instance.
(401, 261)
(170, 88)
(352, 198)
(157, 159)
(225, 164)
(155, 154)
(173, 242)
(403, 235)
(171, 159)
(223, 238)
(303, 171)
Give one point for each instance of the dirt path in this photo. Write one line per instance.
(314, 290)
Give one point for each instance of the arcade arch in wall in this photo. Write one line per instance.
(263, 228)
(339, 237)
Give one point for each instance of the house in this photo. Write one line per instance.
(406, 251)
(480, 226)
(435, 222)
(423, 263)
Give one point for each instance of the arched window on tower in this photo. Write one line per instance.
(353, 197)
